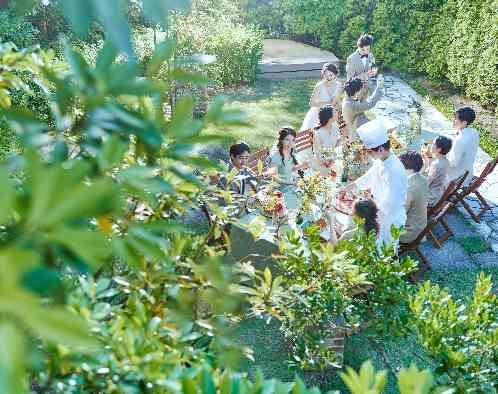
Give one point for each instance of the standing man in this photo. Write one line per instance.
(386, 179)
(361, 64)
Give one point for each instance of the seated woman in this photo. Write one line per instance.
(364, 209)
(326, 92)
(244, 182)
(326, 136)
(437, 168)
(282, 165)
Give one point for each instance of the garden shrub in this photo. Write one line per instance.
(237, 47)
(460, 336)
(17, 29)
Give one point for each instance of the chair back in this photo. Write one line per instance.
(451, 189)
(262, 154)
(304, 140)
(431, 222)
(478, 181)
(493, 165)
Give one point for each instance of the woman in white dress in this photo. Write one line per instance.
(326, 92)
(326, 138)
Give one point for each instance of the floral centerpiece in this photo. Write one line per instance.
(331, 163)
(311, 187)
(271, 202)
(354, 160)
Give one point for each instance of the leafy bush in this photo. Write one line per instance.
(17, 29)
(461, 337)
(212, 29)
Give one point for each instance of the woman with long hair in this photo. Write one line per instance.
(326, 92)
(366, 211)
(326, 137)
(282, 164)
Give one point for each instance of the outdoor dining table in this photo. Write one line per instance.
(259, 249)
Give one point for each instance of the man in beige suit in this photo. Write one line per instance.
(353, 108)
(361, 64)
(417, 197)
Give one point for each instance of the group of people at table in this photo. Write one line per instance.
(400, 189)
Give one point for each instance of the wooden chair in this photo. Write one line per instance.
(448, 194)
(262, 154)
(472, 188)
(304, 140)
(415, 244)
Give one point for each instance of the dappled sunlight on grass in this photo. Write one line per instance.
(269, 105)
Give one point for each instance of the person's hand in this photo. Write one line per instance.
(372, 72)
(380, 81)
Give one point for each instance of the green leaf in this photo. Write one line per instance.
(111, 13)
(13, 379)
(87, 201)
(79, 14)
(163, 52)
(112, 153)
(91, 246)
(55, 324)
(23, 121)
(413, 381)
(105, 59)
(156, 11)
(8, 196)
(79, 66)
(208, 386)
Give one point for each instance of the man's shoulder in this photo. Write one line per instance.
(353, 56)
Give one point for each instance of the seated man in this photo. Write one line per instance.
(353, 109)
(417, 197)
(463, 154)
(244, 182)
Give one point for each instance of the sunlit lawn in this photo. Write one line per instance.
(269, 105)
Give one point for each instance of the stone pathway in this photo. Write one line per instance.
(397, 105)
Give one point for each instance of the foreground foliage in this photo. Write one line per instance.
(463, 338)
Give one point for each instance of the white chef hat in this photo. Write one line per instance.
(373, 133)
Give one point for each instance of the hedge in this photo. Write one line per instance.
(444, 39)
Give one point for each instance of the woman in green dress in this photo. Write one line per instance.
(282, 165)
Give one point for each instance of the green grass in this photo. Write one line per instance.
(473, 244)
(269, 105)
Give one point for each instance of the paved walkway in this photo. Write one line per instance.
(397, 105)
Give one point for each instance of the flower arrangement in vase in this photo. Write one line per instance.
(311, 187)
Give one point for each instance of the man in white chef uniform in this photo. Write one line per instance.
(386, 179)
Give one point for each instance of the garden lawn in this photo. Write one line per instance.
(269, 105)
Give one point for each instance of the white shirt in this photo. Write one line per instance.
(364, 60)
(388, 184)
(463, 154)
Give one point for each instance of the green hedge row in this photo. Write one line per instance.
(451, 39)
